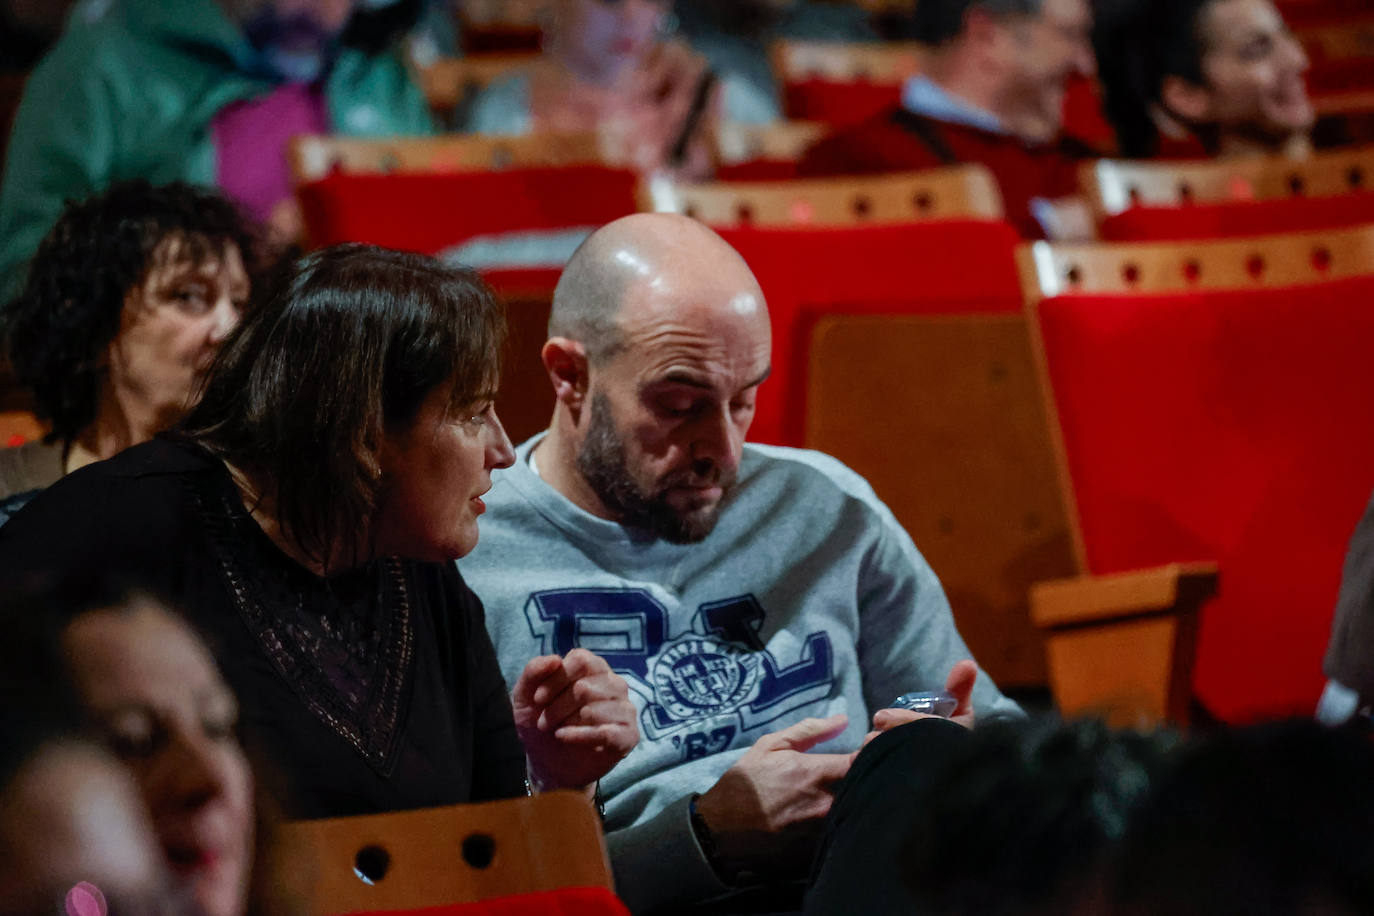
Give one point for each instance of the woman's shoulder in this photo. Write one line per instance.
(135, 506)
(31, 466)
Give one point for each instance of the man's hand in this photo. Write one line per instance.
(574, 717)
(766, 812)
(959, 684)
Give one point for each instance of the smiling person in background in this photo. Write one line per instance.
(126, 303)
(204, 91)
(1200, 78)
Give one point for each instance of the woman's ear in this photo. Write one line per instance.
(565, 361)
(1186, 101)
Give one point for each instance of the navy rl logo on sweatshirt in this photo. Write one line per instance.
(718, 669)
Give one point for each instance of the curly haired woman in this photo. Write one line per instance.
(126, 302)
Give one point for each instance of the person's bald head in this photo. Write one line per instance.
(659, 339)
(640, 267)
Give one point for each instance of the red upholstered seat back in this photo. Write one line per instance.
(431, 212)
(1236, 427)
(840, 103)
(571, 901)
(938, 267)
(1234, 219)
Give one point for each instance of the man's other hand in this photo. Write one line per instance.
(766, 812)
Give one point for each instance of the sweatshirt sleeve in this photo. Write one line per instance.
(659, 862)
(908, 639)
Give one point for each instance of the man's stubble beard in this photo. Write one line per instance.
(604, 464)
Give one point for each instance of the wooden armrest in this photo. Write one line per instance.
(1090, 599)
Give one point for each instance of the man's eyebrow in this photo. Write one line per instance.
(761, 379)
(689, 380)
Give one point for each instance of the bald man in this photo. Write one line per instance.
(761, 602)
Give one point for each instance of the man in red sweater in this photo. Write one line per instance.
(992, 92)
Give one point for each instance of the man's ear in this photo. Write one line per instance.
(565, 360)
(1185, 101)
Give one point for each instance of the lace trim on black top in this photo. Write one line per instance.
(344, 645)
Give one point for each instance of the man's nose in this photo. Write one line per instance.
(718, 439)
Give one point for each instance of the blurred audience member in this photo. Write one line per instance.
(991, 92)
(71, 821)
(1349, 663)
(155, 696)
(205, 91)
(1275, 820)
(609, 67)
(125, 304)
(313, 502)
(1009, 818)
(1198, 78)
(734, 35)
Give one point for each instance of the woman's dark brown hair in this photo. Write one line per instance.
(343, 350)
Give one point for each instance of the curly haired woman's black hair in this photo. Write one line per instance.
(56, 330)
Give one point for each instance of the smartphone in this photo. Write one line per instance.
(701, 98)
(927, 701)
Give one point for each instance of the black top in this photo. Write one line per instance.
(373, 691)
(1350, 654)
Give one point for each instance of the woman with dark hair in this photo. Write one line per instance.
(125, 304)
(1201, 78)
(306, 515)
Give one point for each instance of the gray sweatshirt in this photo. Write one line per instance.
(808, 599)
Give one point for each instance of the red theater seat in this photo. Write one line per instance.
(943, 267)
(573, 901)
(1227, 422)
(1177, 201)
(841, 83)
(839, 103)
(431, 212)
(1236, 219)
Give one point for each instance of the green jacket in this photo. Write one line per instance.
(130, 91)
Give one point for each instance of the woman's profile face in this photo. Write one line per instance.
(165, 711)
(171, 326)
(1254, 70)
(434, 475)
(608, 36)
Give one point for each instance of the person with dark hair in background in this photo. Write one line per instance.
(306, 515)
(204, 91)
(1271, 820)
(125, 304)
(1201, 78)
(991, 91)
(1010, 818)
